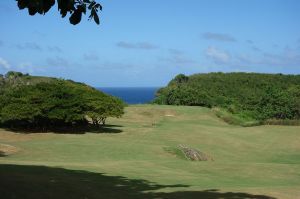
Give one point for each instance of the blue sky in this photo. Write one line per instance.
(146, 43)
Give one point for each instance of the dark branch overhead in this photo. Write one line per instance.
(75, 7)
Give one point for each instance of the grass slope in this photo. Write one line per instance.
(255, 162)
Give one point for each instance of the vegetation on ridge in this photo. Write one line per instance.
(250, 96)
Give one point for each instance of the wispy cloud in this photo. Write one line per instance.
(57, 61)
(217, 56)
(36, 47)
(175, 51)
(287, 58)
(29, 46)
(1, 43)
(139, 45)
(39, 34)
(218, 37)
(115, 66)
(255, 48)
(177, 59)
(4, 64)
(91, 56)
(249, 41)
(54, 49)
(253, 45)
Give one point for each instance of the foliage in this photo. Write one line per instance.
(56, 103)
(75, 7)
(250, 95)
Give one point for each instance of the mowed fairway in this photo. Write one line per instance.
(132, 159)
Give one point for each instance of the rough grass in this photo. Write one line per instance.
(282, 122)
(235, 119)
(256, 162)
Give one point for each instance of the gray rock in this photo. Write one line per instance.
(194, 154)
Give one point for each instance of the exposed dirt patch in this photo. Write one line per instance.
(6, 150)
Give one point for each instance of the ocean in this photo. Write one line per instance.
(132, 95)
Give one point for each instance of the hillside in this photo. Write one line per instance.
(13, 79)
(135, 157)
(250, 96)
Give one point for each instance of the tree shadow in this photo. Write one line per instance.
(69, 129)
(39, 182)
(2, 154)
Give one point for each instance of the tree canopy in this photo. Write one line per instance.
(46, 103)
(252, 95)
(75, 7)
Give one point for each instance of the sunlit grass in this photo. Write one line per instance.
(255, 160)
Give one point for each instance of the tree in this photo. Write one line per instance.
(54, 103)
(75, 7)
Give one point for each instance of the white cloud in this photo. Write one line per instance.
(217, 55)
(29, 46)
(4, 64)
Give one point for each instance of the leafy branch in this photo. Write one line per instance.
(75, 7)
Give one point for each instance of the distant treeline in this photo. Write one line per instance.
(41, 102)
(253, 96)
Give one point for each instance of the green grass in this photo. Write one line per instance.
(142, 162)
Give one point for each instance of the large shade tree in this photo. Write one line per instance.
(75, 7)
(47, 103)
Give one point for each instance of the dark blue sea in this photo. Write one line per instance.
(132, 95)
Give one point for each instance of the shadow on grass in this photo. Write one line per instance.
(2, 154)
(39, 182)
(69, 130)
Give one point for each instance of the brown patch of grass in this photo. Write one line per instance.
(11, 136)
(6, 149)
